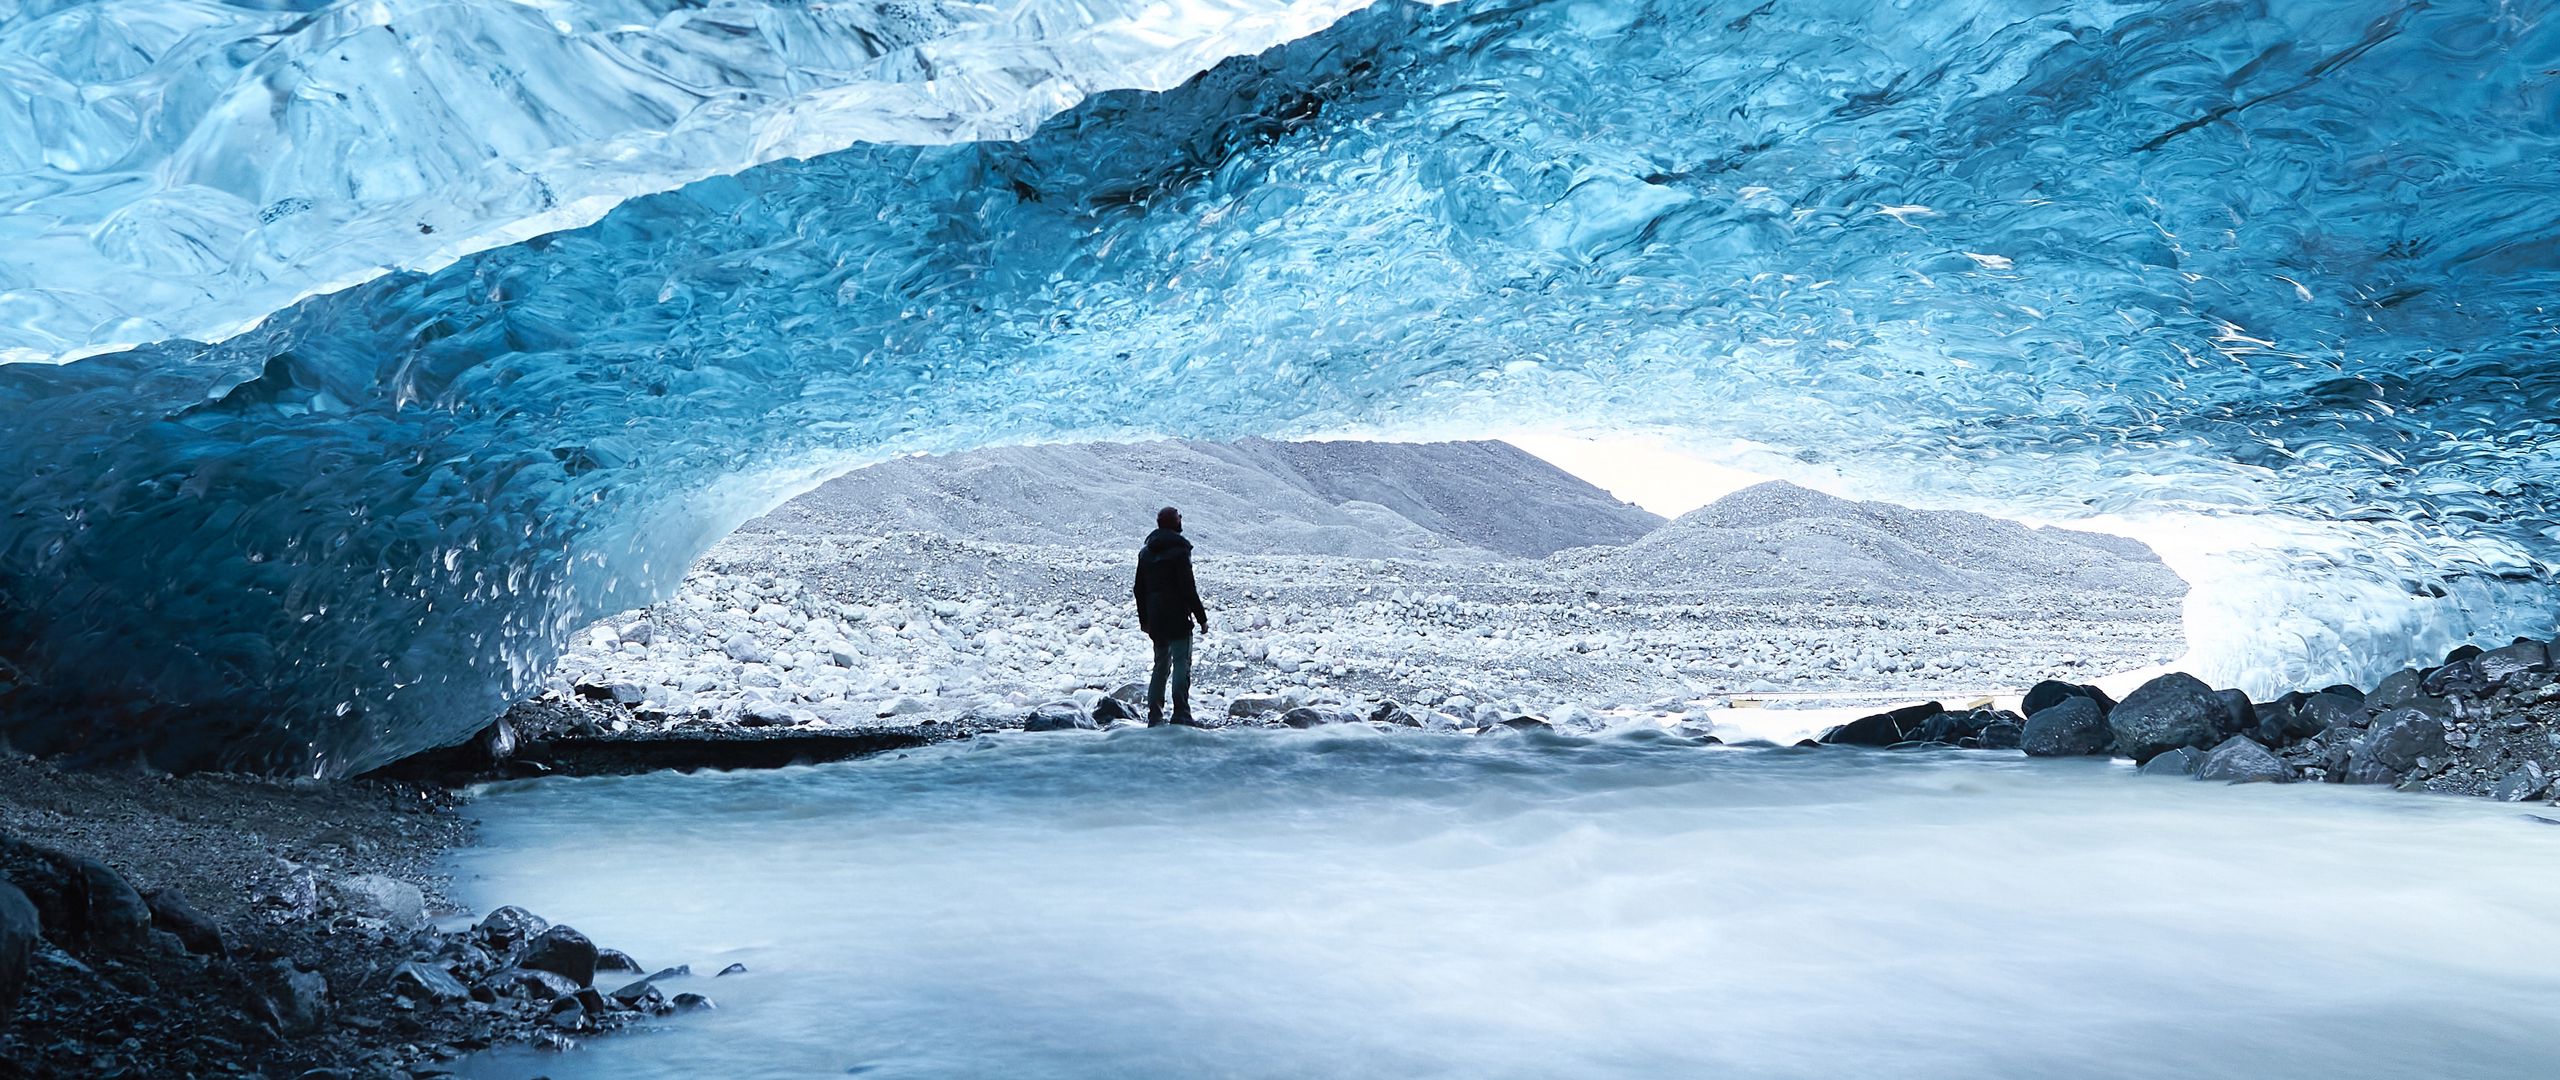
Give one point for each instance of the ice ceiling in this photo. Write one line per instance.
(2282, 262)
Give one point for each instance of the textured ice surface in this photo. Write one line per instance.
(2050, 258)
(176, 168)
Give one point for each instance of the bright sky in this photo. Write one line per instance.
(1647, 472)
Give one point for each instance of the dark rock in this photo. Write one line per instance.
(2168, 712)
(509, 927)
(1132, 694)
(2071, 727)
(2525, 782)
(1058, 716)
(171, 912)
(2498, 667)
(383, 897)
(2241, 761)
(20, 930)
(2049, 693)
(733, 969)
(2401, 737)
(677, 972)
(1389, 712)
(2179, 762)
(299, 999)
(2394, 690)
(1256, 705)
(428, 983)
(569, 1014)
(2345, 691)
(692, 1002)
(2238, 715)
(112, 914)
(643, 994)
(2461, 678)
(616, 960)
(1526, 723)
(2005, 731)
(1906, 724)
(562, 951)
(2461, 653)
(1304, 717)
(2325, 710)
(1111, 710)
(531, 984)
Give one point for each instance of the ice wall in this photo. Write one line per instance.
(2287, 261)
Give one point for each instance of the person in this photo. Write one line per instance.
(1168, 601)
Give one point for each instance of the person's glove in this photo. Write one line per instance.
(1204, 624)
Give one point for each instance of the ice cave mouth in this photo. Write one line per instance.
(2059, 259)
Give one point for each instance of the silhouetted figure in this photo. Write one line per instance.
(1167, 602)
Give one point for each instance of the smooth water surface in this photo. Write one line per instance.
(1352, 903)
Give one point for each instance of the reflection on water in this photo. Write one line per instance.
(1354, 903)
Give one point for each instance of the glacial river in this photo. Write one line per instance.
(1350, 903)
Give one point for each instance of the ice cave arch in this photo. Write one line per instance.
(2278, 260)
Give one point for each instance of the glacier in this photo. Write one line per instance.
(2281, 268)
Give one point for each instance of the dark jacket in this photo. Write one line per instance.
(1167, 597)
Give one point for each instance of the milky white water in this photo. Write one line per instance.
(1172, 903)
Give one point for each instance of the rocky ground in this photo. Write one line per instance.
(155, 926)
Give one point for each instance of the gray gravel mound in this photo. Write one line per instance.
(1367, 500)
(1780, 536)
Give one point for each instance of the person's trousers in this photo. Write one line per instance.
(1173, 660)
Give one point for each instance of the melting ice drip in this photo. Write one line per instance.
(2057, 258)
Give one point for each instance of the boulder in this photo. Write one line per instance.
(2395, 690)
(616, 960)
(531, 984)
(429, 983)
(1058, 716)
(1256, 705)
(642, 994)
(1305, 717)
(2525, 782)
(171, 912)
(733, 969)
(2071, 727)
(2001, 730)
(1906, 724)
(2179, 762)
(2325, 710)
(2498, 667)
(2238, 715)
(299, 999)
(381, 896)
(562, 951)
(2049, 693)
(2460, 678)
(692, 1003)
(115, 914)
(2345, 691)
(20, 931)
(1523, 723)
(1130, 693)
(509, 927)
(1112, 710)
(2461, 653)
(1389, 712)
(2168, 712)
(744, 649)
(2240, 761)
(2401, 737)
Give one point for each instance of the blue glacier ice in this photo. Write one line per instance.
(2275, 262)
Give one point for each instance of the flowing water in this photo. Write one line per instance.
(1171, 903)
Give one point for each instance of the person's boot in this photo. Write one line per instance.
(1155, 715)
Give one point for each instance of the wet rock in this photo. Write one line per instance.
(2394, 690)
(2179, 762)
(171, 912)
(2498, 667)
(429, 983)
(677, 972)
(1133, 694)
(2524, 782)
(1058, 716)
(642, 994)
(1306, 717)
(2000, 731)
(103, 908)
(2238, 714)
(692, 1002)
(1389, 712)
(2071, 727)
(615, 960)
(2168, 712)
(299, 999)
(1256, 705)
(2459, 678)
(569, 1014)
(1525, 723)
(2051, 692)
(2325, 710)
(733, 969)
(509, 927)
(1112, 710)
(381, 896)
(19, 932)
(531, 984)
(2241, 761)
(1906, 724)
(2461, 653)
(563, 951)
(2403, 736)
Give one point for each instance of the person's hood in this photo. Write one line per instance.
(1164, 542)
